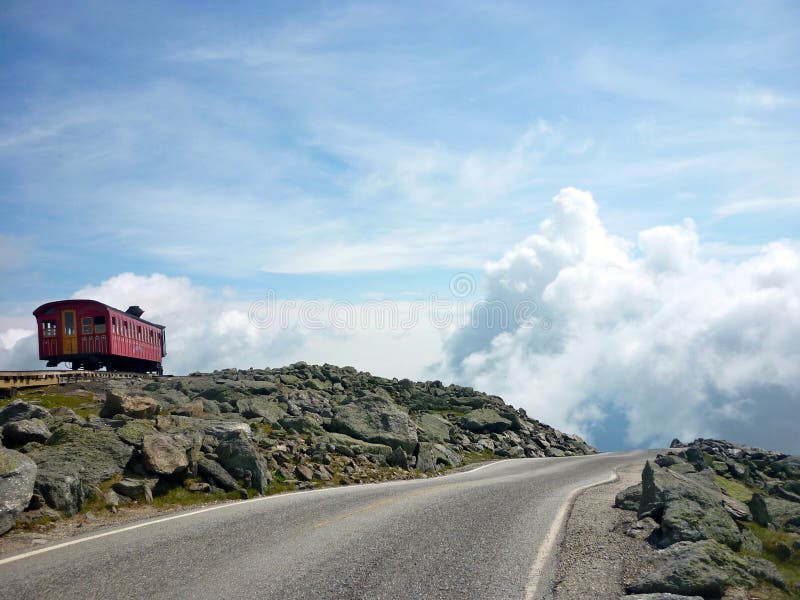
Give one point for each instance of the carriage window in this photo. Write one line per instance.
(114, 324)
(125, 328)
(99, 324)
(69, 322)
(139, 331)
(49, 328)
(86, 325)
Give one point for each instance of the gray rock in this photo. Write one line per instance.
(398, 458)
(17, 477)
(375, 419)
(784, 514)
(241, 458)
(21, 411)
(705, 568)
(759, 511)
(687, 510)
(214, 472)
(138, 407)
(111, 500)
(135, 489)
(659, 597)
(165, 454)
(642, 529)
(259, 406)
(17, 433)
(74, 462)
(303, 473)
(629, 498)
(134, 432)
(433, 428)
(788, 467)
(485, 420)
(431, 457)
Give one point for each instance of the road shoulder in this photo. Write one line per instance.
(596, 559)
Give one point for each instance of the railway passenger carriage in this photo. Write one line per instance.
(91, 335)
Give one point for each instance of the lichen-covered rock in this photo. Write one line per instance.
(687, 509)
(433, 428)
(431, 457)
(706, 568)
(134, 432)
(21, 411)
(135, 489)
(74, 462)
(214, 472)
(165, 454)
(629, 498)
(375, 419)
(242, 459)
(17, 433)
(137, 407)
(258, 406)
(485, 420)
(17, 477)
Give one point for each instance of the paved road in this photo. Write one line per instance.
(477, 535)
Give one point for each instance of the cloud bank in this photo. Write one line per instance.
(646, 338)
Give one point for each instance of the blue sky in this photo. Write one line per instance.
(355, 151)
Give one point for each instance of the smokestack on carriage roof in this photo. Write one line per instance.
(136, 311)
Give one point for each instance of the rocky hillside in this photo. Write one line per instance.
(725, 518)
(236, 433)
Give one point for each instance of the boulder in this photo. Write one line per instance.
(686, 509)
(135, 489)
(190, 409)
(705, 568)
(165, 454)
(17, 433)
(788, 467)
(431, 457)
(375, 419)
(303, 473)
(629, 498)
(138, 407)
(759, 511)
(398, 458)
(241, 458)
(17, 477)
(254, 407)
(74, 462)
(433, 428)
(134, 432)
(485, 420)
(21, 411)
(213, 471)
(784, 513)
(642, 529)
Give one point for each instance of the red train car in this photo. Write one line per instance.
(92, 335)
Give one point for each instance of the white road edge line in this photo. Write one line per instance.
(96, 536)
(549, 542)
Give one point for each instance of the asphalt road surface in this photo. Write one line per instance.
(483, 534)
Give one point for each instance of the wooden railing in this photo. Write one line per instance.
(20, 379)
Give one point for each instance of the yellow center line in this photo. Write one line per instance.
(373, 506)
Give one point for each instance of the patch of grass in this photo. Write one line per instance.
(789, 568)
(473, 457)
(708, 459)
(278, 487)
(735, 489)
(180, 496)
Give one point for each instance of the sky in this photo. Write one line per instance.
(591, 209)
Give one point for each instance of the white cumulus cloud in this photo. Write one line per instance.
(667, 341)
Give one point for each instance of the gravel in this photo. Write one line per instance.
(596, 558)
